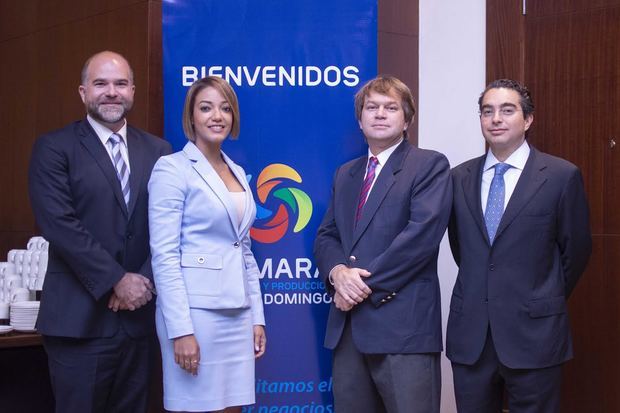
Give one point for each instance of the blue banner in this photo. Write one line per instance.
(295, 67)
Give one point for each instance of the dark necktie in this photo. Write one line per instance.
(495, 202)
(122, 172)
(370, 176)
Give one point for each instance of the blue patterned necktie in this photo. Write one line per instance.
(495, 202)
(122, 172)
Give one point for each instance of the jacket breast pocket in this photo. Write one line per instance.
(392, 216)
(537, 221)
(202, 273)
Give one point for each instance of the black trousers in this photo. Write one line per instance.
(480, 388)
(99, 375)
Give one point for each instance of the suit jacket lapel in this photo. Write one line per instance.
(102, 158)
(246, 219)
(350, 196)
(471, 190)
(208, 174)
(530, 182)
(379, 190)
(136, 165)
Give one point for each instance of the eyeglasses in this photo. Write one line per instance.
(506, 111)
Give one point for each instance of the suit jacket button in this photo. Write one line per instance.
(384, 300)
(491, 267)
(352, 258)
(236, 244)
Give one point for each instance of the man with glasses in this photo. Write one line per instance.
(519, 232)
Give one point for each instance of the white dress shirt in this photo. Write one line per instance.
(516, 160)
(382, 159)
(104, 134)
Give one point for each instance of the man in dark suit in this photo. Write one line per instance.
(87, 185)
(519, 232)
(377, 250)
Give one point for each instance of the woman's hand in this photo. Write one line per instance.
(260, 341)
(187, 353)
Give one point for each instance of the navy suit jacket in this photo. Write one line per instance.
(397, 240)
(519, 285)
(94, 237)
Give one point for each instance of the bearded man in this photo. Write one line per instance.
(87, 185)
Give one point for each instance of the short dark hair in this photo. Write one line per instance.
(527, 104)
(386, 85)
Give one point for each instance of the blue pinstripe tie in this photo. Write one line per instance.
(122, 172)
(495, 202)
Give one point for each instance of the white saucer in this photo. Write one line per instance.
(26, 304)
(26, 330)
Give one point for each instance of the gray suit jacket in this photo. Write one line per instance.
(201, 255)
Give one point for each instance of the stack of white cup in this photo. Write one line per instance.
(20, 277)
(31, 264)
(11, 291)
(11, 284)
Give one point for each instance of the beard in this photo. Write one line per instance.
(109, 113)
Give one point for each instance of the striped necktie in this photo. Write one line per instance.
(122, 172)
(370, 177)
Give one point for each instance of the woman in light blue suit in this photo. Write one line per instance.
(209, 314)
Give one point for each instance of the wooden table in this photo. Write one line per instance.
(23, 357)
(15, 339)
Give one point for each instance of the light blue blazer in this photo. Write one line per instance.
(201, 258)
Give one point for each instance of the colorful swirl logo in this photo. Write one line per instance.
(298, 202)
